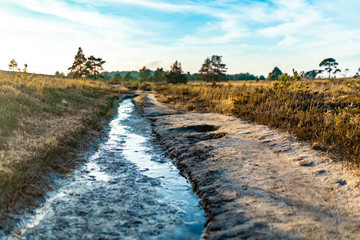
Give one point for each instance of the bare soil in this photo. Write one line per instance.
(255, 182)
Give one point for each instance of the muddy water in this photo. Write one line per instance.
(128, 189)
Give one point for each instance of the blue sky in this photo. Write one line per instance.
(251, 35)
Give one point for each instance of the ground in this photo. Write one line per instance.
(255, 182)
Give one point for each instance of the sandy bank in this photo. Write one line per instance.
(255, 182)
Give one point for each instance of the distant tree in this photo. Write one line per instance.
(128, 77)
(159, 75)
(59, 74)
(275, 74)
(262, 77)
(329, 64)
(191, 77)
(78, 67)
(242, 76)
(13, 65)
(93, 67)
(336, 71)
(117, 78)
(219, 67)
(346, 71)
(144, 74)
(213, 70)
(176, 75)
(206, 72)
(106, 76)
(311, 74)
(86, 67)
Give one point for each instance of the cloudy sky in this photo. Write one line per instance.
(251, 35)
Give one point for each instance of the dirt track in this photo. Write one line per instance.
(255, 182)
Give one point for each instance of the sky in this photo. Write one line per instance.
(251, 35)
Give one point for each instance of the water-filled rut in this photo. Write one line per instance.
(128, 189)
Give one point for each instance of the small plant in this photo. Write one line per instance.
(24, 76)
(242, 99)
(285, 81)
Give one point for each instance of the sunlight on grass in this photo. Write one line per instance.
(323, 112)
(39, 116)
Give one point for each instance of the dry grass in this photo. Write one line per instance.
(325, 113)
(39, 117)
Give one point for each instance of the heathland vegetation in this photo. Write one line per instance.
(325, 113)
(40, 117)
(323, 110)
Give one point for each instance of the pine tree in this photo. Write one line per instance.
(93, 67)
(77, 70)
(144, 74)
(329, 64)
(205, 72)
(176, 74)
(275, 74)
(218, 66)
(176, 68)
(86, 68)
(159, 75)
(213, 70)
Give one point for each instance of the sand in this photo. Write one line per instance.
(255, 182)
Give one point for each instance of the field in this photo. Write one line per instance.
(40, 116)
(254, 173)
(322, 112)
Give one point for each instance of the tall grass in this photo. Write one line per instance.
(325, 113)
(39, 117)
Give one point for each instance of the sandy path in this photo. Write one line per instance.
(258, 183)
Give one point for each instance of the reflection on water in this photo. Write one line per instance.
(128, 189)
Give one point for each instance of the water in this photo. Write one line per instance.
(128, 189)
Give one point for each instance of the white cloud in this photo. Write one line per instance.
(251, 36)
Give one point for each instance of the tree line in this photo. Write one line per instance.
(328, 65)
(212, 70)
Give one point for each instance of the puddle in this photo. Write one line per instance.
(128, 189)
